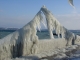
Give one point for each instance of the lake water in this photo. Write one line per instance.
(42, 35)
(78, 58)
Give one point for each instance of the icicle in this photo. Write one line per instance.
(42, 21)
(41, 18)
(58, 28)
(44, 24)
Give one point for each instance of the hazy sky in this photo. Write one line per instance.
(17, 13)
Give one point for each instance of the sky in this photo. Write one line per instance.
(17, 13)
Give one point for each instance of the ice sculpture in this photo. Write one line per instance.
(24, 41)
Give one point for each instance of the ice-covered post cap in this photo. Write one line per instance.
(43, 6)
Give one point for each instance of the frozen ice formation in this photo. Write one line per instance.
(24, 41)
(53, 24)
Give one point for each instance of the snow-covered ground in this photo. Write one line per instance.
(68, 53)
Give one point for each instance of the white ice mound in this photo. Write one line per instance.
(24, 41)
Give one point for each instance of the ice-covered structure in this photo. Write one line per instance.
(24, 41)
(53, 24)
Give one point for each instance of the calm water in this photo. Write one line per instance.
(41, 35)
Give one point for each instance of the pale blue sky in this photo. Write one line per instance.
(17, 13)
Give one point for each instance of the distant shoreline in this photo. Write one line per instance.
(7, 30)
(43, 30)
